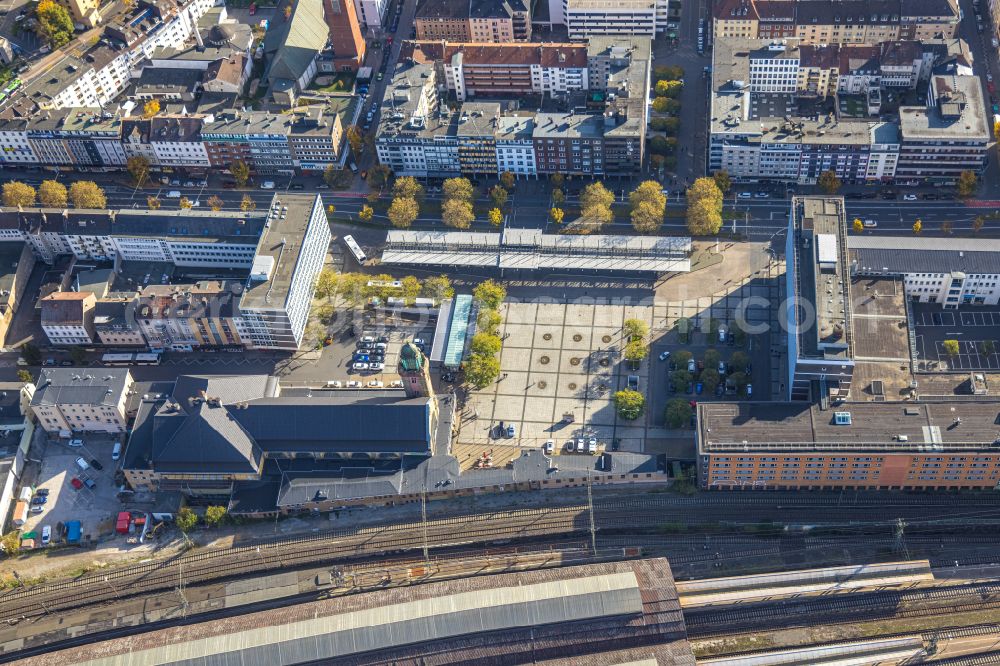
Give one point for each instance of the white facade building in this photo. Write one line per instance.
(74, 400)
(585, 18)
(774, 70)
(371, 13)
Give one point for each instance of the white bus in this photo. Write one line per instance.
(117, 359)
(147, 359)
(355, 249)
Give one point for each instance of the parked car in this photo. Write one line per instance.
(82, 464)
(96, 464)
(37, 508)
(744, 195)
(42, 491)
(664, 356)
(89, 483)
(909, 197)
(39, 500)
(692, 365)
(511, 431)
(46, 535)
(76, 483)
(550, 446)
(359, 366)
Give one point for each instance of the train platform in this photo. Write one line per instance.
(882, 651)
(791, 584)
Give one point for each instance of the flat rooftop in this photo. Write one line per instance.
(898, 255)
(821, 273)
(873, 426)
(279, 249)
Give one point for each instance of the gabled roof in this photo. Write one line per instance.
(293, 44)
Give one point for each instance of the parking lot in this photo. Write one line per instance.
(341, 357)
(975, 328)
(95, 507)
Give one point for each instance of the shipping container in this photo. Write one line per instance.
(73, 531)
(25, 494)
(123, 522)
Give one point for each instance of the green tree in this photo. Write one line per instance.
(411, 289)
(558, 198)
(681, 358)
(481, 371)
(722, 181)
(986, 347)
(704, 218)
(635, 351)
(635, 329)
(556, 215)
(354, 139)
(671, 125)
(677, 413)
(595, 204)
(408, 187)
(739, 360)
(629, 404)
(138, 167)
(86, 194)
(661, 104)
(403, 212)
(950, 347)
(55, 25)
(326, 283)
(53, 194)
(507, 180)
(489, 321)
(186, 519)
(659, 145)
(18, 194)
(499, 196)
(378, 176)
(214, 515)
(490, 294)
(24, 376)
(457, 189)
(437, 287)
(457, 213)
(496, 217)
(680, 379)
(710, 378)
(366, 213)
(657, 124)
(828, 182)
(485, 343)
(648, 206)
(11, 543)
(240, 172)
(31, 354)
(337, 178)
(712, 358)
(967, 184)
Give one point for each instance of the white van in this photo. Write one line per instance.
(116, 452)
(75, 442)
(82, 464)
(333, 383)
(173, 194)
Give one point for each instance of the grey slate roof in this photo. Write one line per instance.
(80, 386)
(895, 255)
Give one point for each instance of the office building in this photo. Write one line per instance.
(817, 309)
(947, 271)
(848, 446)
(185, 317)
(274, 306)
(71, 400)
(590, 18)
(479, 21)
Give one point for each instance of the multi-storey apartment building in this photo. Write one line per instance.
(419, 136)
(371, 13)
(480, 21)
(505, 69)
(68, 317)
(74, 400)
(274, 306)
(182, 317)
(756, 133)
(921, 445)
(836, 22)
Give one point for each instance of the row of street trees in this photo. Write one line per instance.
(53, 194)
(630, 403)
(483, 366)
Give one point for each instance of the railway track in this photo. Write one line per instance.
(610, 513)
(841, 609)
